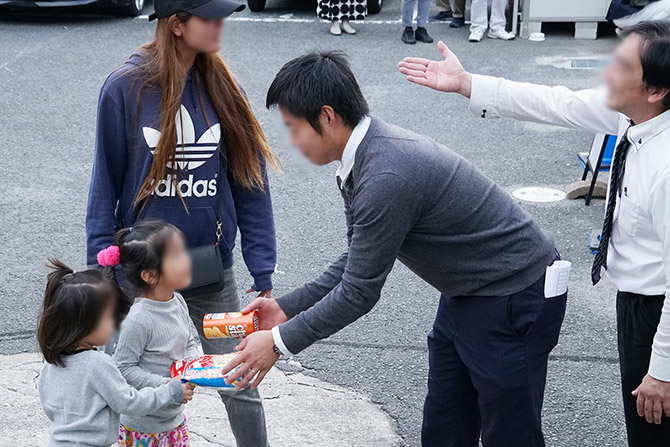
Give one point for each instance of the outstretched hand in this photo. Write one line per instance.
(269, 311)
(254, 360)
(447, 75)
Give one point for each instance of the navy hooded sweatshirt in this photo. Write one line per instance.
(125, 140)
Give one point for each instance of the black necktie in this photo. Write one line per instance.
(618, 167)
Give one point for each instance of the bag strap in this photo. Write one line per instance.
(219, 217)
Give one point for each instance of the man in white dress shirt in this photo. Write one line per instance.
(635, 245)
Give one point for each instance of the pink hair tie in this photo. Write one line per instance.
(109, 257)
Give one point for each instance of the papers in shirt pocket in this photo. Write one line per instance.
(556, 279)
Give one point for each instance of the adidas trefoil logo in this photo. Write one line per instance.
(190, 155)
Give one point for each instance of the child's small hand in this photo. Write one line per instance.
(188, 391)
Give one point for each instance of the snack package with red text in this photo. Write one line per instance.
(231, 324)
(204, 370)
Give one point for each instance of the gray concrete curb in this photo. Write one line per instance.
(301, 411)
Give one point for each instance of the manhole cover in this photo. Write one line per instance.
(537, 194)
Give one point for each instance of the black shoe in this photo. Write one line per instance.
(422, 35)
(408, 35)
(457, 22)
(442, 16)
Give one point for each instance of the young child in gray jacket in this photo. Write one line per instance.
(157, 331)
(81, 389)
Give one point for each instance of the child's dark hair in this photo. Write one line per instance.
(73, 305)
(141, 248)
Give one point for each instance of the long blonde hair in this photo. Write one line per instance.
(243, 136)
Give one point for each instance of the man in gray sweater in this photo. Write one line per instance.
(409, 198)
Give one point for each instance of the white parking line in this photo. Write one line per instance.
(296, 20)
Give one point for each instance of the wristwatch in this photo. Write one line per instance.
(276, 350)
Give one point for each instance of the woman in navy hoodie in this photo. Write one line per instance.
(176, 140)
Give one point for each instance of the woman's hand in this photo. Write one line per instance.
(269, 311)
(447, 75)
(262, 294)
(255, 360)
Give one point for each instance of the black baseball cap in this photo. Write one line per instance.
(205, 9)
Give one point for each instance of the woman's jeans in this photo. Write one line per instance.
(245, 408)
(423, 8)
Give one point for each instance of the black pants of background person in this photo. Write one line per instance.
(488, 366)
(637, 320)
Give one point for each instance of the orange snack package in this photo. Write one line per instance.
(231, 324)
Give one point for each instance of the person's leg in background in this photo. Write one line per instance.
(450, 413)
(423, 9)
(458, 11)
(498, 21)
(637, 320)
(407, 11)
(443, 11)
(479, 17)
(244, 408)
(505, 343)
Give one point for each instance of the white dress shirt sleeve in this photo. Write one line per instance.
(585, 109)
(276, 336)
(659, 366)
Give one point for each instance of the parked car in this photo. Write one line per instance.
(374, 6)
(125, 7)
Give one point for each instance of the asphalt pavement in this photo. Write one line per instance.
(51, 69)
(335, 414)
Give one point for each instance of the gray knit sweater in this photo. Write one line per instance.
(84, 399)
(412, 199)
(153, 336)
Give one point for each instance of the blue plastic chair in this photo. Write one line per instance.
(598, 159)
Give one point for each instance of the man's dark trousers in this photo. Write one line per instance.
(637, 320)
(488, 366)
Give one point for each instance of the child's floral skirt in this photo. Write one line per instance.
(177, 437)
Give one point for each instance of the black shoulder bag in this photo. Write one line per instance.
(207, 268)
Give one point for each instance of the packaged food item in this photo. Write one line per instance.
(204, 370)
(231, 324)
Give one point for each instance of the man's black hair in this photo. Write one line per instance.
(320, 78)
(654, 53)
